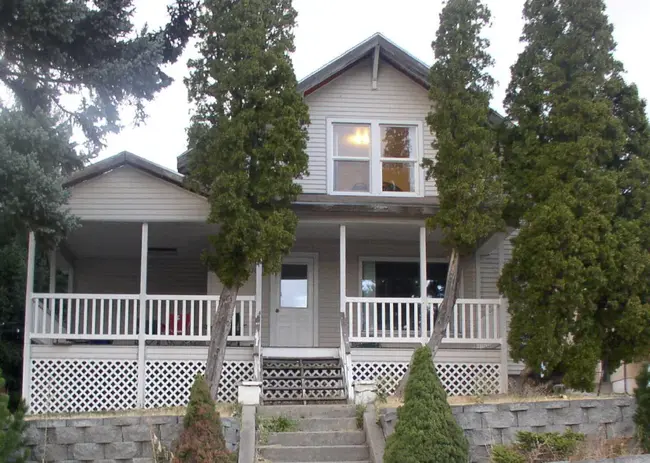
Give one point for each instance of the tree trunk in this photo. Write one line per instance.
(219, 331)
(443, 316)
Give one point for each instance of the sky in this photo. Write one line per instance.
(326, 29)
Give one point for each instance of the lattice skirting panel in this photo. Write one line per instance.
(457, 378)
(168, 382)
(60, 386)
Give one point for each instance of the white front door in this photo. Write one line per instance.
(292, 304)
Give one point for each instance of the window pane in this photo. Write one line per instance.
(352, 140)
(436, 278)
(368, 280)
(397, 142)
(294, 288)
(352, 176)
(398, 176)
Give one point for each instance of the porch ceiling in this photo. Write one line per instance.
(366, 230)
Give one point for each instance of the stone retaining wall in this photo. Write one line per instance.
(108, 440)
(489, 424)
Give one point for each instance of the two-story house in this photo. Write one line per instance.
(349, 304)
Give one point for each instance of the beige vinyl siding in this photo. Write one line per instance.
(165, 275)
(489, 272)
(128, 194)
(351, 96)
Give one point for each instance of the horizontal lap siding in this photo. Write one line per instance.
(128, 194)
(122, 276)
(350, 96)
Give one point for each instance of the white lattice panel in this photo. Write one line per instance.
(457, 378)
(167, 383)
(83, 385)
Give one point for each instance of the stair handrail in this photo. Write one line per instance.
(257, 348)
(346, 357)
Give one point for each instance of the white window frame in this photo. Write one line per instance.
(376, 159)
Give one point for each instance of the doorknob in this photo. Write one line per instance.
(277, 310)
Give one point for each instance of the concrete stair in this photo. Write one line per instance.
(324, 433)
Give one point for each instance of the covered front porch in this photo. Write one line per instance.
(130, 324)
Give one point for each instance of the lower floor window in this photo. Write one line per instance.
(391, 279)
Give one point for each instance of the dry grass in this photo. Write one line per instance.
(594, 448)
(224, 409)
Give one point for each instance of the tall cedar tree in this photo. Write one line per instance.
(426, 430)
(466, 168)
(201, 440)
(577, 176)
(64, 65)
(248, 142)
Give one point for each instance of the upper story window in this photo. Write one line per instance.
(374, 158)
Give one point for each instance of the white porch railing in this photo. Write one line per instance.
(106, 317)
(407, 320)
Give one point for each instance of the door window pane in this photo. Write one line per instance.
(294, 287)
(352, 176)
(398, 176)
(352, 140)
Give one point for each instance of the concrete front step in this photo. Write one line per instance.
(327, 424)
(307, 411)
(314, 453)
(316, 438)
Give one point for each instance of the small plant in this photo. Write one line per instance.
(505, 454)
(359, 412)
(12, 427)
(202, 438)
(383, 386)
(553, 444)
(160, 453)
(642, 415)
(538, 447)
(426, 430)
(275, 424)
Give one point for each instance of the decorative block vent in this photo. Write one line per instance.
(457, 378)
(60, 386)
(168, 382)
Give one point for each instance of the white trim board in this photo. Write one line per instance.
(300, 352)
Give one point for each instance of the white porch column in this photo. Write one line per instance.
(503, 324)
(144, 248)
(52, 258)
(423, 283)
(27, 341)
(257, 333)
(342, 268)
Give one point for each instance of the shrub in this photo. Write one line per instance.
(202, 438)
(538, 447)
(504, 454)
(12, 426)
(642, 415)
(426, 430)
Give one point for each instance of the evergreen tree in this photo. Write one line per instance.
(426, 430)
(201, 440)
(466, 168)
(248, 142)
(64, 65)
(642, 414)
(577, 179)
(12, 426)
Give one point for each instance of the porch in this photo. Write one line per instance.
(111, 340)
